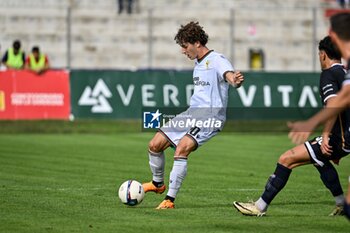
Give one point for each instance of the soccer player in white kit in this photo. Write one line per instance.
(204, 118)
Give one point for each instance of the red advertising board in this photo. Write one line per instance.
(26, 95)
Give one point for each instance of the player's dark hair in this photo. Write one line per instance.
(340, 24)
(330, 49)
(191, 33)
(17, 44)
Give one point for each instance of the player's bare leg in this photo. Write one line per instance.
(179, 171)
(156, 149)
(295, 157)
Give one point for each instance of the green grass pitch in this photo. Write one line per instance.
(69, 183)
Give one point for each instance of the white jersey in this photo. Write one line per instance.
(207, 112)
(210, 86)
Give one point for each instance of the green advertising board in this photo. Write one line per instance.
(112, 94)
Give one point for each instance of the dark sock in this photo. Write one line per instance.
(330, 178)
(157, 184)
(172, 199)
(276, 182)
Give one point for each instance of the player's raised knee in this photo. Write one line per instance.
(154, 147)
(286, 159)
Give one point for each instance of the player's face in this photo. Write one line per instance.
(322, 57)
(190, 50)
(343, 45)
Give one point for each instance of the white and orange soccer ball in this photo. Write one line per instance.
(131, 192)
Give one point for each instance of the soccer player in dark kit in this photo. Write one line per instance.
(332, 145)
(301, 130)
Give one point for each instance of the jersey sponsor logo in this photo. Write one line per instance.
(97, 98)
(198, 82)
(151, 120)
(2, 101)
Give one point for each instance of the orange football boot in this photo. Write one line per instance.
(166, 204)
(150, 187)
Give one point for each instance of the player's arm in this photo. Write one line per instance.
(336, 106)
(4, 59)
(301, 130)
(235, 78)
(325, 147)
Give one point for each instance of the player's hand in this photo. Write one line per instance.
(325, 147)
(298, 131)
(238, 79)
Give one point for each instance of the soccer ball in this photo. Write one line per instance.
(131, 192)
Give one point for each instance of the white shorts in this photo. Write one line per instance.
(197, 124)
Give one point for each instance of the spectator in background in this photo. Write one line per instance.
(14, 57)
(344, 3)
(121, 6)
(36, 61)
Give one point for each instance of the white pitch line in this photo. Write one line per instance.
(106, 188)
(247, 189)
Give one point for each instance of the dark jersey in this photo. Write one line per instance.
(331, 82)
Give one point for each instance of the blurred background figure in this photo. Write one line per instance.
(344, 3)
(14, 57)
(36, 61)
(121, 5)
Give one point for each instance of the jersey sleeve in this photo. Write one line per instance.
(223, 65)
(328, 86)
(4, 58)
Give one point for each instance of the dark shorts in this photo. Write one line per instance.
(314, 148)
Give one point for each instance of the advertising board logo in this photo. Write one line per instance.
(97, 98)
(2, 101)
(151, 120)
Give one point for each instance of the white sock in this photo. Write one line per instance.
(261, 204)
(177, 175)
(339, 200)
(157, 163)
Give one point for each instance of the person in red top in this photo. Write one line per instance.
(36, 61)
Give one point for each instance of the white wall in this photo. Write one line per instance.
(101, 38)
